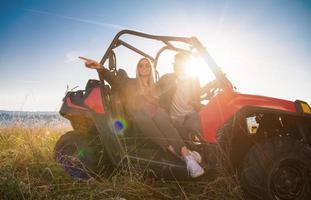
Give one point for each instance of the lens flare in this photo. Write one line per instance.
(81, 153)
(120, 124)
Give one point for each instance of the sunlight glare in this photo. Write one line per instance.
(197, 67)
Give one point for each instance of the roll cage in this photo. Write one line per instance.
(193, 43)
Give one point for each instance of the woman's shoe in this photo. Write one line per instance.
(197, 157)
(193, 167)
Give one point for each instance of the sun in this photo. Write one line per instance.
(197, 67)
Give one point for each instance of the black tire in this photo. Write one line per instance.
(277, 169)
(81, 155)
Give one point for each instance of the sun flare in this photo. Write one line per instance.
(197, 67)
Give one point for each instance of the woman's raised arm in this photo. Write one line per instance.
(104, 74)
(89, 63)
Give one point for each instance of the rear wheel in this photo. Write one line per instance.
(81, 155)
(277, 169)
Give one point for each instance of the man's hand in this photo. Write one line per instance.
(89, 63)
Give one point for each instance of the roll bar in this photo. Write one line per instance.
(192, 41)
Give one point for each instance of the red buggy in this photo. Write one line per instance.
(265, 140)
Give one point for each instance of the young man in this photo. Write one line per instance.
(179, 95)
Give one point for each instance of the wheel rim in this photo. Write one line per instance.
(195, 139)
(288, 181)
(71, 158)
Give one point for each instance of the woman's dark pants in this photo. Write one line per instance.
(159, 129)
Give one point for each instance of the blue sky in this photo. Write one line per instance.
(264, 47)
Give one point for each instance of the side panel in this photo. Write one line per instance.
(72, 105)
(223, 107)
(70, 108)
(83, 102)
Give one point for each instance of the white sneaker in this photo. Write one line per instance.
(197, 157)
(193, 167)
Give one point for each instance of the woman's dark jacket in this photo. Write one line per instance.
(132, 99)
(127, 88)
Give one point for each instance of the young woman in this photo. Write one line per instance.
(145, 111)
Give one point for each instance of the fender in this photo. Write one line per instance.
(90, 100)
(227, 103)
(94, 100)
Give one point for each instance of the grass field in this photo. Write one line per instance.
(28, 171)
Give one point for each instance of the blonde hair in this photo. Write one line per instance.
(151, 79)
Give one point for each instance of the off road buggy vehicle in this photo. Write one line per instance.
(265, 140)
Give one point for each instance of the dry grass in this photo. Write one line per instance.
(28, 171)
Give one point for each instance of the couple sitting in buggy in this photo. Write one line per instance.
(163, 111)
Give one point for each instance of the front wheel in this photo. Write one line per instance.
(277, 169)
(81, 155)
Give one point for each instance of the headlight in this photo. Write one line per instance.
(304, 107)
